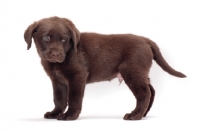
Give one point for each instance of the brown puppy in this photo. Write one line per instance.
(72, 59)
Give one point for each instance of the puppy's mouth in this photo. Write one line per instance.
(54, 56)
(56, 60)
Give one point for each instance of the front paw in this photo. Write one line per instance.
(68, 116)
(51, 115)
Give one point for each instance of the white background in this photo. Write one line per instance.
(26, 92)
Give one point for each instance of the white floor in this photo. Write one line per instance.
(104, 106)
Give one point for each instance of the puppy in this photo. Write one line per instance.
(72, 59)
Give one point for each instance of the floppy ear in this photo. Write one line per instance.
(28, 34)
(75, 34)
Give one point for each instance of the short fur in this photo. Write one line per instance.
(72, 59)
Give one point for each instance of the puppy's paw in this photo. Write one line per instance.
(51, 115)
(67, 116)
(132, 116)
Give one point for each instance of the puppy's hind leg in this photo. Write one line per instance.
(151, 99)
(137, 82)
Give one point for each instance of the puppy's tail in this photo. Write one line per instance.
(161, 61)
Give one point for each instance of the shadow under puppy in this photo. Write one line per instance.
(72, 59)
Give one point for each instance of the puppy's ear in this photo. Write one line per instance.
(28, 34)
(75, 34)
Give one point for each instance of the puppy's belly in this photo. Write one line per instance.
(92, 79)
(119, 76)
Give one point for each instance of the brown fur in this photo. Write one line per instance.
(72, 59)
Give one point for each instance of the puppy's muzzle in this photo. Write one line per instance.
(55, 55)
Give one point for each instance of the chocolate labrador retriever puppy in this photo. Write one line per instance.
(72, 59)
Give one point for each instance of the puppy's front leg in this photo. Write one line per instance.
(60, 93)
(76, 92)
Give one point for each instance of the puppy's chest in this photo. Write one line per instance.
(59, 74)
(65, 72)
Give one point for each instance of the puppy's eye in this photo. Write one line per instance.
(46, 38)
(64, 40)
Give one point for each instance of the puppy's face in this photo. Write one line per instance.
(52, 41)
(53, 38)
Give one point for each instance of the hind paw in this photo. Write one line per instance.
(132, 116)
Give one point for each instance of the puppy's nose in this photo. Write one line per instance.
(55, 54)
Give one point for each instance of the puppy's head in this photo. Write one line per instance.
(53, 38)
